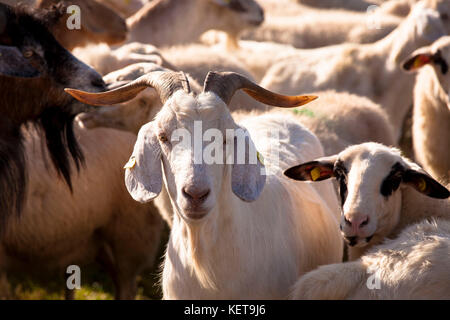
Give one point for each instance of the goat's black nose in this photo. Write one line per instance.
(195, 194)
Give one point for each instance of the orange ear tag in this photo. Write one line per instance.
(315, 173)
(422, 185)
(420, 61)
(131, 163)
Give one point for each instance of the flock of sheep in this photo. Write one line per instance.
(78, 105)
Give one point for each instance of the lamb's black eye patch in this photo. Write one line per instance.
(438, 60)
(393, 180)
(341, 175)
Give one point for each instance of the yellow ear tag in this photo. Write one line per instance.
(315, 173)
(422, 185)
(260, 157)
(131, 163)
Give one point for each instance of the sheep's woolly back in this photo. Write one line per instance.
(413, 266)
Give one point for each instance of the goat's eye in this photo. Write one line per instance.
(444, 16)
(163, 138)
(28, 53)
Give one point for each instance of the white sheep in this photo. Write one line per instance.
(414, 266)
(170, 22)
(383, 196)
(99, 221)
(106, 60)
(381, 193)
(319, 28)
(340, 120)
(236, 233)
(431, 116)
(371, 70)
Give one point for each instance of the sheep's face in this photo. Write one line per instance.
(236, 15)
(371, 177)
(436, 56)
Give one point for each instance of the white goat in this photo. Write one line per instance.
(169, 22)
(371, 70)
(381, 193)
(431, 118)
(221, 246)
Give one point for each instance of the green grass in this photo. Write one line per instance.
(96, 283)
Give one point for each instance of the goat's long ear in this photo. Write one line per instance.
(143, 175)
(247, 174)
(14, 64)
(317, 170)
(423, 57)
(425, 184)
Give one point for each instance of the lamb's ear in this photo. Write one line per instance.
(247, 174)
(14, 64)
(422, 182)
(143, 175)
(317, 170)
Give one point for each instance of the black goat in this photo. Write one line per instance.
(34, 70)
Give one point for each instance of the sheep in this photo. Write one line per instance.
(340, 120)
(371, 70)
(33, 71)
(319, 28)
(381, 193)
(193, 17)
(413, 266)
(277, 246)
(106, 60)
(196, 60)
(98, 23)
(98, 221)
(431, 115)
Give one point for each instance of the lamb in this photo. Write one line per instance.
(384, 195)
(414, 266)
(431, 116)
(33, 71)
(371, 70)
(193, 17)
(233, 201)
(381, 193)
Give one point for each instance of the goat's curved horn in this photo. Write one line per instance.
(164, 82)
(225, 84)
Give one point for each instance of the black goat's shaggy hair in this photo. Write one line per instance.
(41, 102)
